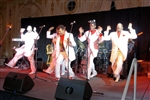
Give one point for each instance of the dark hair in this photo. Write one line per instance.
(61, 27)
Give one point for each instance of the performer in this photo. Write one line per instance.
(27, 49)
(51, 68)
(64, 41)
(93, 37)
(119, 46)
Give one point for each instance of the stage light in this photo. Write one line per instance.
(9, 26)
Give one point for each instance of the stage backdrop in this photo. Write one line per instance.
(140, 18)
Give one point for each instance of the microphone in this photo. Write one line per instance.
(72, 22)
(42, 26)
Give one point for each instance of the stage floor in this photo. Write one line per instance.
(45, 90)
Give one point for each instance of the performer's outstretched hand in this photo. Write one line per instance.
(108, 28)
(34, 29)
(51, 28)
(22, 30)
(130, 26)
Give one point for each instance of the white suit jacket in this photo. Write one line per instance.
(93, 42)
(71, 49)
(120, 43)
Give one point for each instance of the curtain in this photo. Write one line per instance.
(139, 17)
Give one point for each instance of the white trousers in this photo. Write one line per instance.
(19, 54)
(91, 66)
(117, 65)
(63, 57)
(51, 68)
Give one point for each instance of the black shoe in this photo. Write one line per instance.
(110, 75)
(87, 79)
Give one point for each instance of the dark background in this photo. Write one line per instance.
(139, 17)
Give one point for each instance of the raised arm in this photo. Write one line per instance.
(99, 29)
(37, 35)
(81, 37)
(48, 33)
(133, 34)
(21, 33)
(106, 36)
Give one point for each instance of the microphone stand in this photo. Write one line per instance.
(87, 56)
(36, 57)
(68, 48)
(2, 42)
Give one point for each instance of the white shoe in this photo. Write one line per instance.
(16, 67)
(71, 77)
(117, 78)
(8, 65)
(32, 73)
(46, 71)
(93, 75)
(63, 73)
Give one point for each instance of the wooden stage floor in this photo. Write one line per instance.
(45, 90)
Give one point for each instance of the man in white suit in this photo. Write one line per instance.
(64, 41)
(119, 50)
(93, 37)
(51, 68)
(27, 49)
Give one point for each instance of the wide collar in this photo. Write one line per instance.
(92, 31)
